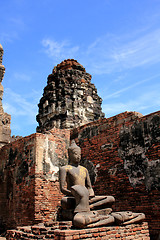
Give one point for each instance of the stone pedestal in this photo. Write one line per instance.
(61, 230)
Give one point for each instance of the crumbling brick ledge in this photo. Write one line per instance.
(63, 231)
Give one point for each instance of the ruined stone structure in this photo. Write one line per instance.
(121, 152)
(29, 170)
(69, 99)
(5, 132)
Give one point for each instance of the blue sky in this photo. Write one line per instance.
(117, 41)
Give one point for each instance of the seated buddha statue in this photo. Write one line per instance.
(80, 203)
(75, 174)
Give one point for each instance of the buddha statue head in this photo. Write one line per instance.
(74, 153)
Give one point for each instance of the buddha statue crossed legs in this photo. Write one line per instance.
(75, 174)
(80, 201)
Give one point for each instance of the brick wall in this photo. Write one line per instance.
(51, 152)
(125, 150)
(29, 188)
(17, 168)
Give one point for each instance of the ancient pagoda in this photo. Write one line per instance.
(69, 99)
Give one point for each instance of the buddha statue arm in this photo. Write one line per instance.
(62, 181)
(88, 185)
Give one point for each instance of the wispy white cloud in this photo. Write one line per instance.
(146, 102)
(111, 53)
(119, 92)
(13, 27)
(17, 22)
(18, 105)
(8, 37)
(59, 50)
(23, 110)
(120, 77)
(140, 51)
(22, 77)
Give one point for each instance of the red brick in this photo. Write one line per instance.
(116, 182)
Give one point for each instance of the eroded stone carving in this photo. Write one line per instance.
(135, 142)
(127, 217)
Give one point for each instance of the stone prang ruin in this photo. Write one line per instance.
(5, 132)
(69, 99)
(121, 153)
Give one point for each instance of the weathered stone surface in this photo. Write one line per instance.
(135, 141)
(69, 99)
(5, 132)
